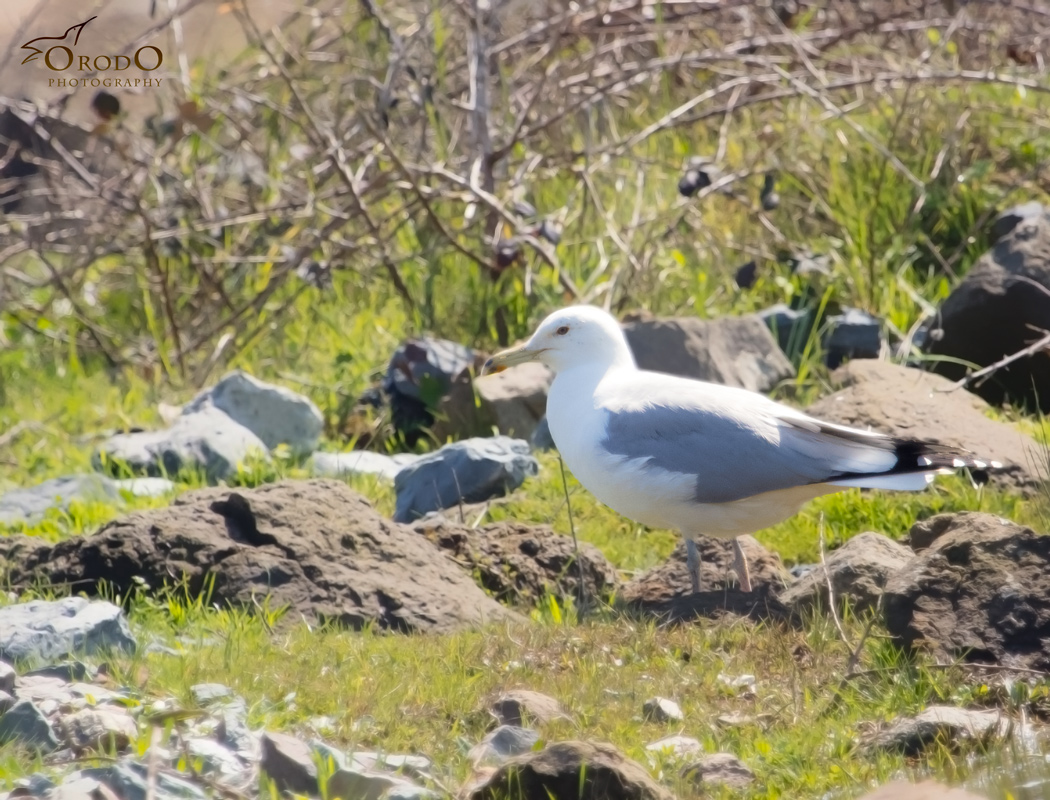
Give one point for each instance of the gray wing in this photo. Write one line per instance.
(741, 452)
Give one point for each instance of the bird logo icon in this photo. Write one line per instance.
(36, 49)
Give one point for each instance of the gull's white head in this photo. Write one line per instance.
(571, 337)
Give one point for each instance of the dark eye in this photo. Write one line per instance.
(564, 329)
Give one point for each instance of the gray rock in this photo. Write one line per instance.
(735, 351)
(146, 487)
(129, 781)
(720, 769)
(993, 312)
(68, 671)
(104, 728)
(38, 784)
(7, 677)
(423, 369)
(852, 334)
(661, 709)
(77, 789)
(676, 747)
(791, 326)
(26, 724)
(949, 724)
(216, 759)
(512, 402)
(6, 701)
(273, 413)
(233, 732)
(289, 763)
(207, 439)
(858, 571)
(979, 592)
(396, 762)
(361, 462)
(503, 743)
(521, 706)
(924, 790)
(32, 503)
(1015, 215)
(570, 770)
(409, 791)
(205, 694)
(354, 784)
(470, 471)
(541, 438)
(49, 630)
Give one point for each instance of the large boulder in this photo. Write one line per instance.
(735, 351)
(521, 563)
(980, 591)
(470, 471)
(208, 439)
(857, 571)
(666, 592)
(918, 405)
(51, 630)
(572, 771)
(315, 547)
(998, 309)
(273, 413)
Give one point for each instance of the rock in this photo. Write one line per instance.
(29, 505)
(790, 326)
(129, 780)
(503, 743)
(7, 677)
(519, 563)
(6, 701)
(419, 374)
(660, 709)
(858, 570)
(541, 438)
(146, 487)
(924, 790)
(207, 439)
(352, 784)
(67, 672)
(361, 462)
(409, 791)
(995, 311)
(273, 413)
(470, 471)
(852, 334)
(79, 789)
(104, 728)
(675, 747)
(665, 591)
(735, 351)
(314, 546)
(512, 401)
(289, 763)
(521, 706)
(49, 630)
(217, 760)
(572, 771)
(25, 724)
(419, 766)
(946, 724)
(205, 694)
(723, 769)
(1013, 216)
(919, 405)
(979, 592)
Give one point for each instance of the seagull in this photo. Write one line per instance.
(702, 458)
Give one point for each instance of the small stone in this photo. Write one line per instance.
(215, 759)
(521, 706)
(205, 694)
(910, 735)
(129, 780)
(352, 784)
(409, 791)
(720, 768)
(76, 789)
(24, 723)
(360, 462)
(6, 701)
(104, 728)
(32, 503)
(676, 746)
(289, 763)
(660, 709)
(924, 790)
(503, 743)
(853, 334)
(68, 672)
(146, 487)
(7, 677)
(415, 765)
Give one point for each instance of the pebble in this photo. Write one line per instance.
(660, 709)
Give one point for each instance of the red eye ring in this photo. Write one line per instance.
(564, 329)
